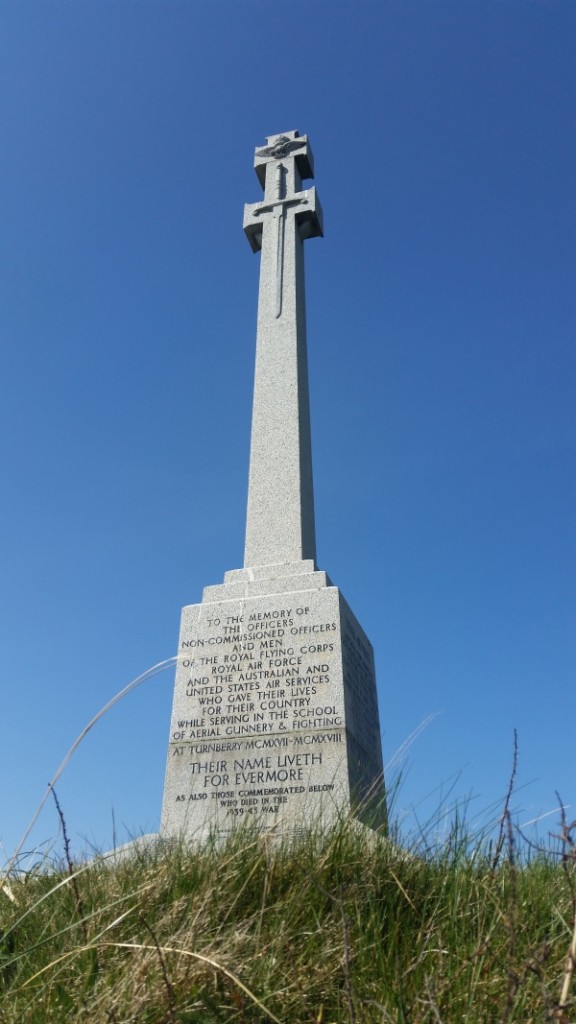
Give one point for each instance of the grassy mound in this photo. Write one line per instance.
(343, 927)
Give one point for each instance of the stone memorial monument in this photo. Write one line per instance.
(275, 716)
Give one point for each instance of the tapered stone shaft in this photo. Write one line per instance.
(280, 524)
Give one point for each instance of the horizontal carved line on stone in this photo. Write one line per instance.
(269, 572)
(263, 588)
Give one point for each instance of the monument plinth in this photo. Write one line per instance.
(275, 716)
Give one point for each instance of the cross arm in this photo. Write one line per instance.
(279, 147)
(307, 213)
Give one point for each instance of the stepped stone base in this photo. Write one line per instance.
(275, 717)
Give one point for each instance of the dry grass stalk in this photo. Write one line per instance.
(566, 838)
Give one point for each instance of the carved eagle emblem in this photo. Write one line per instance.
(281, 148)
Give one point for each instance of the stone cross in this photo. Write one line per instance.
(275, 715)
(280, 520)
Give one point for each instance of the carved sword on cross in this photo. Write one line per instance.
(280, 167)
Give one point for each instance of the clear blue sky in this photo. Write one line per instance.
(441, 318)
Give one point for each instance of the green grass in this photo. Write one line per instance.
(342, 927)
